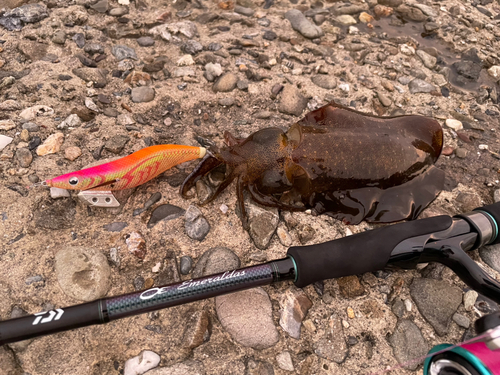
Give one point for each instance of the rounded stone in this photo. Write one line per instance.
(186, 264)
(346, 19)
(301, 24)
(494, 71)
(83, 272)
(284, 360)
(437, 301)
(292, 102)
(212, 71)
(420, 86)
(461, 320)
(454, 124)
(24, 157)
(461, 152)
(216, 260)
(118, 12)
(226, 83)
(142, 94)
(145, 41)
(72, 153)
(247, 316)
(59, 37)
(324, 81)
(196, 226)
(226, 102)
(408, 343)
(491, 256)
(145, 361)
(25, 135)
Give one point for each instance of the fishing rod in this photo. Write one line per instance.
(441, 239)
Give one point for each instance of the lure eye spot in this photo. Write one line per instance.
(73, 181)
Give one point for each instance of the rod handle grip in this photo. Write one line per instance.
(52, 321)
(363, 252)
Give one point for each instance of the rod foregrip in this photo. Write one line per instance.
(52, 321)
(363, 252)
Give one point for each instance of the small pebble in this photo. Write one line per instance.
(470, 298)
(79, 40)
(496, 196)
(56, 193)
(309, 325)
(115, 227)
(72, 153)
(461, 152)
(156, 268)
(185, 60)
(115, 257)
(225, 83)
(4, 141)
(226, 102)
(196, 226)
(454, 124)
(186, 264)
(34, 279)
(24, 157)
(461, 320)
(142, 94)
(351, 340)
(136, 244)
(283, 236)
(122, 52)
(165, 212)
(284, 360)
(31, 127)
(301, 24)
(350, 313)
(408, 304)
(138, 283)
(89, 103)
(138, 365)
(269, 35)
(346, 19)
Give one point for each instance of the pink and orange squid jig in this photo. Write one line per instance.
(129, 171)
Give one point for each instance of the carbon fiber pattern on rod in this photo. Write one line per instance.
(188, 291)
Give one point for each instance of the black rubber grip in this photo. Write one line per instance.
(50, 322)
(363, 252)
(494, 211)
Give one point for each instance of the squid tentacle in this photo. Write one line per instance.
(206, 164)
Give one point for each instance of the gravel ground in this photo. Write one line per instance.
(84, 82)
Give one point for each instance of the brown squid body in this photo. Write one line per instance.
(337, 161)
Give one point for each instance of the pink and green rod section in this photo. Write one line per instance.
(130, 171)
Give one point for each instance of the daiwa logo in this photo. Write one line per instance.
(53, 315)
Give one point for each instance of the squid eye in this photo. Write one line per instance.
(73, 181)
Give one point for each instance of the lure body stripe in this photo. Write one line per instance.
(129, 171)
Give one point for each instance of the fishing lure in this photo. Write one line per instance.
(129, 171)
(338, 161)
